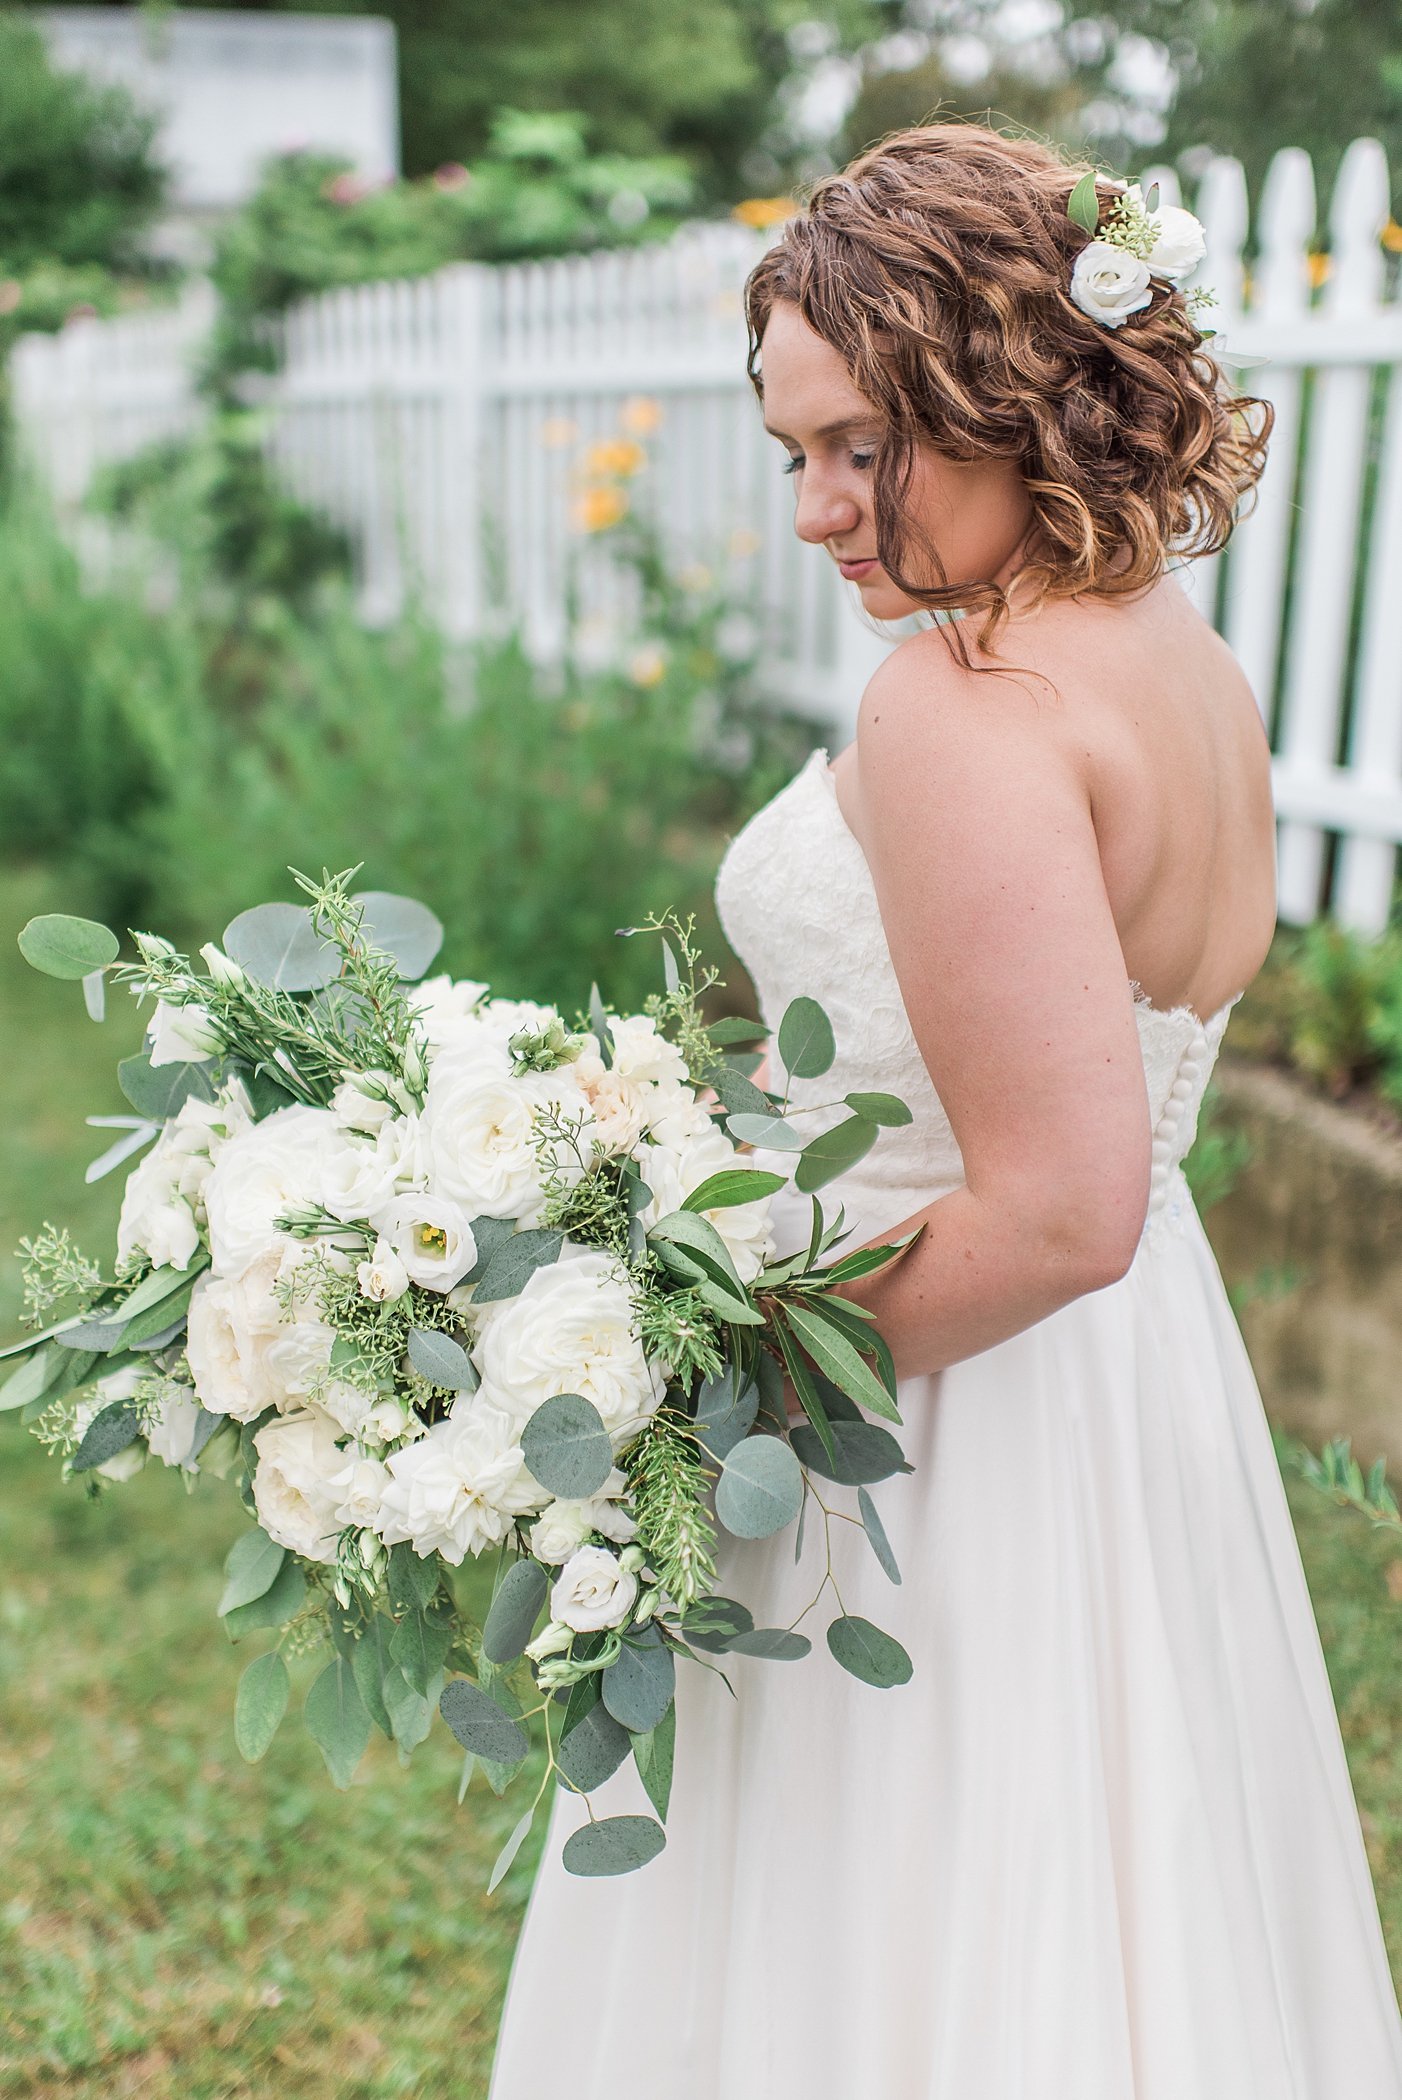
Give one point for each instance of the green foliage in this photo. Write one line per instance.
(1329, 1004)
(668, 1483)
(1218, 1157)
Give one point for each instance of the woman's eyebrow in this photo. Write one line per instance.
(829, 430)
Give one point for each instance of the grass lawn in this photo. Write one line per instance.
(177, 1924)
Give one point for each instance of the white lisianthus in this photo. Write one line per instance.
(261, 1175)
(292, 1488)
(1180, 244)
(1109, 284)
(459, 1488)
(172, 1431)
(672, 1173)
(481, 1142)
(358, 1177)
(430, 1237)
(554, 1641)
(592, 1591)
(221, 967)
(384, 1277)
(571, 1330)
(639, 1052)
(354, 1109)
(562, 1526)
(360, 1486)
(156, 1218)
(182, 1035)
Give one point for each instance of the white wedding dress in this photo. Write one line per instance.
(1103, 1845)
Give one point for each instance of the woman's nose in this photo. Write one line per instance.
(823, 512)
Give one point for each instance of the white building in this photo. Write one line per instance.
(235, 89)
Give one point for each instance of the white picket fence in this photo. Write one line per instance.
(450, 424)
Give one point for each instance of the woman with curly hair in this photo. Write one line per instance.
(1102, 1845)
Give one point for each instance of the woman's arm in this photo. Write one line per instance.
(970, 803)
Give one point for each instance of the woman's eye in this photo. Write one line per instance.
(862, 460)
(795, 465)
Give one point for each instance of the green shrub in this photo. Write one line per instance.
(1329, 1004)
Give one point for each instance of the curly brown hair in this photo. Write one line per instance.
(939, 266)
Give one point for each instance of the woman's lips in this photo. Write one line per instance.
(858, 571)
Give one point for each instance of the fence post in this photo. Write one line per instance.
(465, 376)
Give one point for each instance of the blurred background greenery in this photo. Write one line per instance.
(184, 718)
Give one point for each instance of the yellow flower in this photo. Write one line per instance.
(697, 578)
(640, 415)
(598, 507)
(1320, 267)
(744, 544)
(760, 212)
(616, 456)
(1392, 237)
(558, 431)
(648, 666)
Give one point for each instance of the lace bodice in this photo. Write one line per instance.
(797, 902)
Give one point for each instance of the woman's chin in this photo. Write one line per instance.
(882, 601)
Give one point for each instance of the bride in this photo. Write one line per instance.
(1103, 1845)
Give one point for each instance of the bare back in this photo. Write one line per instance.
(1146, 706)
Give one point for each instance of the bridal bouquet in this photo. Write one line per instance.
(427, 1273)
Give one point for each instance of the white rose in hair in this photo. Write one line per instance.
(1109, 283)
(172, 1431)
(570, 1331)
(563, 1526)
(459, 1488)
(673, 1172)
(181, 1035)
(359, 1177)
(593, 1591)
(430, 1237)
(292, 1488)
(260, 1176)
(1180, 245)
(384, 1277)
(481, 1139)
(639, 1052)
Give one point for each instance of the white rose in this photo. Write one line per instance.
(359, 1178)
(350, 1405)
(592, 1591)
(356, 1110)
(430, 1237)
(562, 1526)
(360, 1486)
(172, 1431)
(672, 1173)
(620, 1105)
(181, 1035)
(480, 1041)
(384, 1277)
(234, 1323)
(1109, 283)
(296, 1360)
(570, 1331)
(639, 1052)
(260, 1176)
(443, 1007)
(459, 1488)
(292, 1488)
(481, 1142)
(156, 1219)
(1180, 243)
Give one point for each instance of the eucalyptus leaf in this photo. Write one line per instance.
(654, 1754)
(279, 946)
(480, 1725)
(413, 1580)
(70, 948)
(138, 1133)
(869, 1653)
(738, 1095)
(833, 1151)
(108, 1433)
(639, 1687)
(733, 1186)
(510, 1849)
(515, 1609)
(372, 1662)
(32, 1380)
(760, 1489)
(567, 1448)
(263, 1693)
(885, 1109)
(159, 1092)
(862, 1452)
(514, 1263)
(1083, 205)
(767, 1130)
(403, 928)
(337, 1721)
(488, 1235)
(772, 1644)
(281, 1601)
(726, 1407)
(95, 994)
(593, 1751)
(617, 1845)
(410, 1710)
(876, 1533)
(806, 1043)
(442, 1361)
(420, 1647)
(736, 1029)
(715, 1622)
(599, 1023)
(251, 1567)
